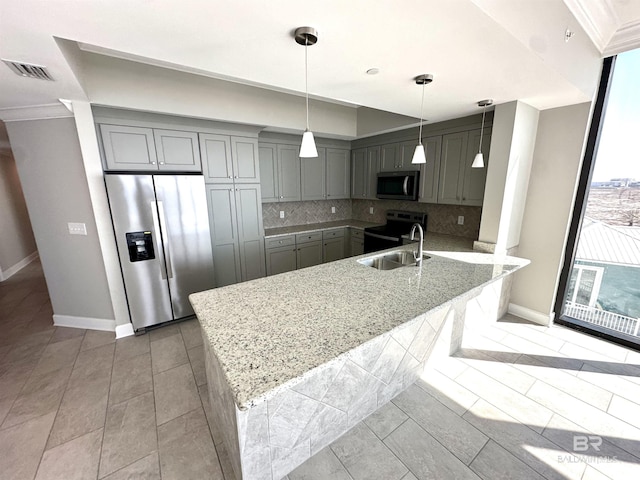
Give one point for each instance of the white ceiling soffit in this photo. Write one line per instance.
(474, 48)
(612, 25)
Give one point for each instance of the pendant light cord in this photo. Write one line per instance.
(306, 79)
(421, 112)
(484, 107)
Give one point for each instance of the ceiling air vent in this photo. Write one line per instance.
(28, 70)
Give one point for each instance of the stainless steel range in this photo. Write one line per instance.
(399, 223)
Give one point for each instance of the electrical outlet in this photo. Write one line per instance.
(77, 228)
(371, 210)
(460, 220)
(333, 209)
(281, 213)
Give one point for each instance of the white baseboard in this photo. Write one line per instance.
(125, 330)
(84, 322)
(4, 275)
(531, 315)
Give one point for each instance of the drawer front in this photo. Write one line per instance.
(357, 233)
(280, 241)
(308, 237)
(335, 233)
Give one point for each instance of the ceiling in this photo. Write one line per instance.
(476, 49)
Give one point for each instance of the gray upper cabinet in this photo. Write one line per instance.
(244, 152)
(365, 165)
(454, 153)
(338, 173)
(269, 172)
(459, 183)
(430, 171)
(474, 179)
(131, 148)
(229, 159)
(312, 174)
(288, 173)
(177, 151)
(216, 158)
(406, 155)
(128, 148)
(359, 173)
(390, 157)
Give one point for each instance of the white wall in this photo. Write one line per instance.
(17, 244)
(51, 172)
(554, 174)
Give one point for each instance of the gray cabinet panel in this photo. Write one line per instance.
(359, 180)
(430, 171)
(389, 157)
(128, 148)
(338, 173)
(333, 249)
(357, 246)
(177, 150)
(269, 173)
(246, 168)
(250, 230)
(454, 151)
(312, 176)
(474, 179)
(216, 158)
(309, 254)
(406, 155)
(373, 167)
(281, 259)
(288, 173)
(222, 220)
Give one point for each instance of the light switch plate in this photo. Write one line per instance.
(281, 213)
(371, 210)
(333, 209)
(77, 228)
(460, 220)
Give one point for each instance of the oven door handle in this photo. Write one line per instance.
(405, 185)
(382, 237)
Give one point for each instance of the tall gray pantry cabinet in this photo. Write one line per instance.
(232, 176)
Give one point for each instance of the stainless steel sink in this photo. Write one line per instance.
(391, 261)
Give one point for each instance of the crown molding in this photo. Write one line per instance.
(598, 19)
(34, 112)
(626, 38)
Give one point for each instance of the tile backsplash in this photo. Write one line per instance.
(303, 213)
(442, 218)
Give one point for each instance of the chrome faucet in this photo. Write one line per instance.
(417, 255)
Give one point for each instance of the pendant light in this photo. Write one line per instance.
(419, 155)
(307, 36)
(478, 161)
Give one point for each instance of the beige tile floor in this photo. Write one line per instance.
(77, 404)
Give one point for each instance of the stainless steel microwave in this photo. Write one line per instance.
(398, 185)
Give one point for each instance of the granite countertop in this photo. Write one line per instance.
(269, 332)
(314, 227)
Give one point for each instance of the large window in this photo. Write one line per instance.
(600, 289)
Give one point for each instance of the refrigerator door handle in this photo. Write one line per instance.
(156, 227)
(165, 238)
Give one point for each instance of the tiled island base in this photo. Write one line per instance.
(270, 439)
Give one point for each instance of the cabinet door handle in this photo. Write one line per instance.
(236, 176)
(161, 163)
(281, 196)
(229, 176)
(153, 163)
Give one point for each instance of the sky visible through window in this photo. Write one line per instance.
(618, 155)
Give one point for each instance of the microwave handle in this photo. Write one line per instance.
(405, 185)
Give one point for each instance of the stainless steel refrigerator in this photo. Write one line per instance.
(162, 233)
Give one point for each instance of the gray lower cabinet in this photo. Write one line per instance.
(129, 148)
(235, 219)
(356, 242)
(309, 249)
(333, 245)
(281, 259)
